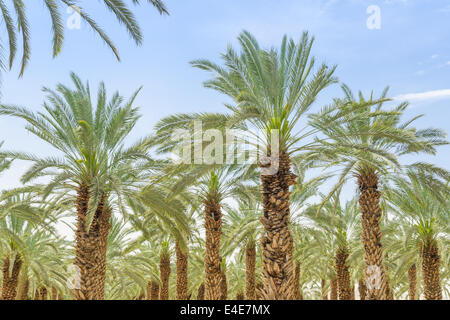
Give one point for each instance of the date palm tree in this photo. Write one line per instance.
(18, 26)
(271, 91)
(242, 229)
(424, 207)
(94, 168)
(342, 223)
(367, 145)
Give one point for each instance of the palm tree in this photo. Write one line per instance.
(367, 145)
(242, 230)
(213, 227)
(21, 28)
(272, 90)
(425, 208)
(95, 169)
(129, 262)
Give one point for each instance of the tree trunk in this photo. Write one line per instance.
(223, 286)
(22, 294)
(297, 291)
(90, 247)
(250, 265)
(412, 279)
(362, 288)
(182, 273)
(54, 295)
(430, 270)
(343, 274)
(259, 291)
(277, 243)
(333, 289)
(153, 290)
(324, 290)
(11, 280)
(201, 292)
(369, 202)
(164, 272)
(389, 292)
(43, 293)
(213, 227)
(240, 296)
(352, 293)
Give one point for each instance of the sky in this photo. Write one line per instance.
(409, 50)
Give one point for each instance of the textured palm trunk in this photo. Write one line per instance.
(54, 294)
(277, 243)
(250, 265)
(24, 287)
(412, 279)
(333, 289)
(213, 227)
(389, 292)
(201, 292)
(362, 288)
(369, 202)
(324, 290)
(240, 296)
(223, 286)
(153, 290)
(164, 273)
(297, 291)
(10, 279)
(343, 274)
(182, 273)
(259, 289)
(431, 262)
(43, 293)
(90, 247)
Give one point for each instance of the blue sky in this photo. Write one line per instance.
(410, 53)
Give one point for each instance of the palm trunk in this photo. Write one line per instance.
(362, 288)
(54, 295)
(277, 243)
(164, 272)
(297, 291)
(11, 280)
(201, 292)
(90, 247)
(352, 293)
(153, 290)
(240, 296)
(223, 286)
(333, 289)
(430, 270)
(412, 279)
(343, 274)
(213, 227)
(259, 291)
(369, 202)
(43, 293)
(24, 287)
(250, 265)
(182, 273)
(389, 292)
(324, 290)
